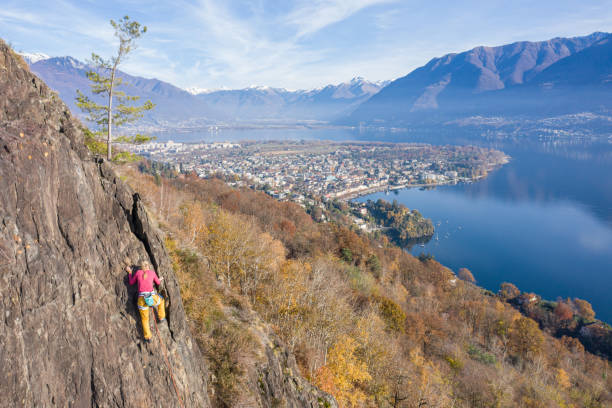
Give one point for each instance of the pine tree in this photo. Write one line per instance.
(104, 82)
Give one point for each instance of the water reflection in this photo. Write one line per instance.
(543, 222)
(552, 175)
(409, 244)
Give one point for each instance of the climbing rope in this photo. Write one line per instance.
(167, 361)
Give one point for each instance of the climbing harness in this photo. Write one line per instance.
(168, 362)
(150, 300)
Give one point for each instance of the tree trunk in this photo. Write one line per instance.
(161, 197)
(110, 120)
(110, 116)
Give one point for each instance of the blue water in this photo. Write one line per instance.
(542, 222)
(236, 135)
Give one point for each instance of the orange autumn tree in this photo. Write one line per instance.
(343, 373)
(563, 312)
(193, 228)
(239, 253)
(526, 339)
(585, 310)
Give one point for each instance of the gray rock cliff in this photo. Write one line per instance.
(70, 331)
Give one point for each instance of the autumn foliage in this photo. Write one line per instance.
(367, 322)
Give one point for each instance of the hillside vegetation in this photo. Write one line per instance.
(404, 225)
(376, 328)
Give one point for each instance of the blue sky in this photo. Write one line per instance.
(296, 44)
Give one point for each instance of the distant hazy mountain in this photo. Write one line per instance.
(261, 103)
(198, 107)
(335, 99)
(254, 103)
(519, 78)
(562, 76)
(194, 90)
(174, 106)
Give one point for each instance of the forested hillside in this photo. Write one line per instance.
(379, 328)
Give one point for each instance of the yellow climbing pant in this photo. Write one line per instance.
(144, 313)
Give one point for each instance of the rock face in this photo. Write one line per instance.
(281, 385)
(70, 331)
(270, 377)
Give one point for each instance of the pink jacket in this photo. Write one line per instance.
(144, 285)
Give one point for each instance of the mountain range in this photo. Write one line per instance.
(531, 80)
(535, 79)
(173, 105)
(179, 107)
(261, 103)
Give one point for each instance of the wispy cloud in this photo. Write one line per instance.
(312, 16)
(262, 49)
(248, 48)
(60, 21)
(19, 17)
(289, 43)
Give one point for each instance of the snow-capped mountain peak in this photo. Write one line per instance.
(194, 90)
(259, 87)
(356, 88)
(66, 62)
(33, 57)
(265, 88)
(358, 80)
(74, 63)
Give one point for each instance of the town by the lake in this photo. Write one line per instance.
(298, 169)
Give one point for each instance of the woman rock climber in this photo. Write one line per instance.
(147, 296)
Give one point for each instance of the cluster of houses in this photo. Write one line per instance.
(298, 170)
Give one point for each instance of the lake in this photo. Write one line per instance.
(542, 222)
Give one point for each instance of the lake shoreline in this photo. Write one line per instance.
(351, 195)
(347, 196)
